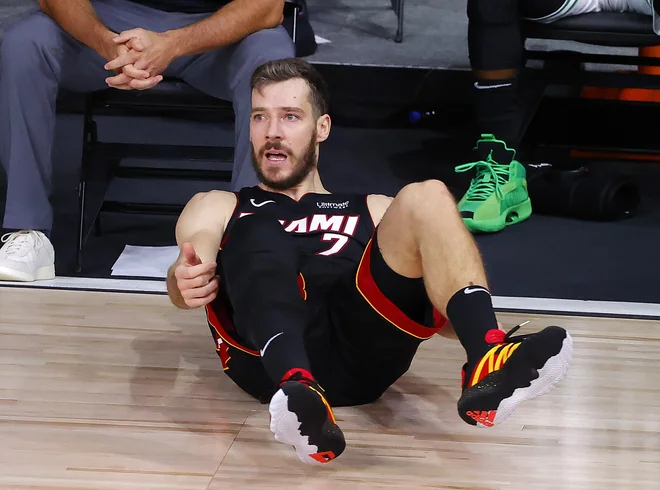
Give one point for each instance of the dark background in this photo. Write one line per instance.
(372, 148)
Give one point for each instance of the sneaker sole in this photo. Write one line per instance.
(41, 274)
(479, 412)
(550, 375)
(284, 424)
(514, 214)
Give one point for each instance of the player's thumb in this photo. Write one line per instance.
(190, 255)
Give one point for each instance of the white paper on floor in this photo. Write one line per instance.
(137, 261)
(321, 40)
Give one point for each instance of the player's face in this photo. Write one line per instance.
(284, 135)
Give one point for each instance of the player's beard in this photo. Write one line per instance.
(301, 165)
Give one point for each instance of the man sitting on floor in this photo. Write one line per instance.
(317, 300)
(89, 45)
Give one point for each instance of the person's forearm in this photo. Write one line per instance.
(79, 19)
(230, 24)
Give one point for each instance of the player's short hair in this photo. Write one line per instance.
(289, 69)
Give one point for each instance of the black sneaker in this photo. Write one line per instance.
(301, 416)
(515, 369)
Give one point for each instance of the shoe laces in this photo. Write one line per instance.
(21, 242)
(496, 336)
(489, 178)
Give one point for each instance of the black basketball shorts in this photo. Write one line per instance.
(362, 336)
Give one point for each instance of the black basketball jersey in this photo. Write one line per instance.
(331, 231)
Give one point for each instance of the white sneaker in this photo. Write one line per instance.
(26, 256)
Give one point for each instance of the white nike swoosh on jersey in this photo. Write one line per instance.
(259, 204)
(474, 290)
(263, 351)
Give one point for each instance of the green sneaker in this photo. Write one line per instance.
(497, 196)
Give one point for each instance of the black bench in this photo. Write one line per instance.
(566, 67)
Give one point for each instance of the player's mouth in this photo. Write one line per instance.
(275, 156)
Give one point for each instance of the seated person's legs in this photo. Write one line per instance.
(550, 11)
(36, 57)
(497, 196)
(495, 49)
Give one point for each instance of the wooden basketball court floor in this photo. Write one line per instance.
(102, 390)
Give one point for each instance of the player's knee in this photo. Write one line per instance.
(493, 12)
(421, 196)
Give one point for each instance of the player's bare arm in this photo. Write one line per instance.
(191, 280)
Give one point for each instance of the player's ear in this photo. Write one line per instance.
(323, 124)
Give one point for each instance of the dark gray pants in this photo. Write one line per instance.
(37, 57)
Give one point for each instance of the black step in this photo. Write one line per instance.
(141, 208)
(119, 151)
(128, 172)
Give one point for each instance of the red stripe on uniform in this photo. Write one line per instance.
(384, 307)
(223, 352)
(215, 322)
(301, 286)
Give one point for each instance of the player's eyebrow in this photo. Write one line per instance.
(283, 109)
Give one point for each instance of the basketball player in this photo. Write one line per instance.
(497, 196)
(317, 300)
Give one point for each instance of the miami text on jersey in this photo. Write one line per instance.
(338, 229)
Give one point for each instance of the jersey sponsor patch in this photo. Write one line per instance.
(333, 205)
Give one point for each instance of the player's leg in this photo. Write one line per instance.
(242, 364)
(260, 272)
(422, 235)
(380, 318)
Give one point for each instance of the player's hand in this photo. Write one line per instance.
(196, 281)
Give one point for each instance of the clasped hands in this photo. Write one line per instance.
(138, 57)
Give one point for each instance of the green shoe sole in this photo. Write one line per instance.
(515, 214)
